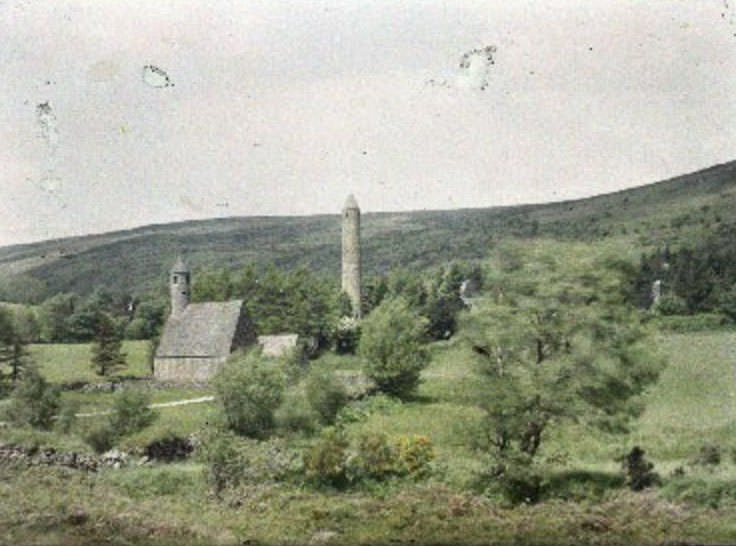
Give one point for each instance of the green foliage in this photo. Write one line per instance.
(325, 462)
(13, 352)
(639, 471)
(223, 464)
(415, 454)
(375, 457)
(131, 411)
(708, 455)
(101, 437)
(33, 401)
(391, 345)
(130, 414)
(296, 301)
(230, 460)
(326, 394)
(106, 349)
(558, 347)
(249, 388)
(671, 304)
(337, 460)
(702, 322)
(67, 415)
(295, 414)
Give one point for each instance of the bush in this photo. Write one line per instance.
(67, 416)
(33, 401)
(326, 462)
(391, 345)
(639, 472)
(671, 305)
(415, 454)
(168, 447)
(250, 388)
(326, 395)
(295, 414)
(131, 412)
(223, 464)
(709, 455)
(101, 437)
(375, 458)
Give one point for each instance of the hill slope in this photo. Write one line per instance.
(136, 260)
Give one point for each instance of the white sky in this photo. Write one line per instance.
(286, 107)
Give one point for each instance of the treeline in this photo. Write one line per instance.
(69, 318)
(298, 301)
(698, 278)
(302, 302)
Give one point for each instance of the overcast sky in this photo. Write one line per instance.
(118, 114)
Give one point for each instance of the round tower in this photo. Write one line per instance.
(179, 280)
(351, 253)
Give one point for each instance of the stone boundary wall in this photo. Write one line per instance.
(187, 369)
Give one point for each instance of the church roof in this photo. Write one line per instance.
(201, 330)
(351, 203)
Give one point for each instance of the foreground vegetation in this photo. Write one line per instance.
(409, 465)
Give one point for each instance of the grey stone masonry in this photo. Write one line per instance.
(351, 253)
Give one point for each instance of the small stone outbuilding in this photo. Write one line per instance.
(199, 338)
(278, 345)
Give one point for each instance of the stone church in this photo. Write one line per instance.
(199, 337)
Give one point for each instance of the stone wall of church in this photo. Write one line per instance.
(187, 369)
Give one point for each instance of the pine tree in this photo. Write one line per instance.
(106, 349)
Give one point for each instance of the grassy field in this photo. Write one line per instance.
(71, 363)
(691, 406)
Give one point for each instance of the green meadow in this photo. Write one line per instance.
(689, 407)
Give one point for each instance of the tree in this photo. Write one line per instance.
(249, 388)
(547, 360)
(54, 317)
(13, 352)
(106, 348)
(33, 401)
(391, 345)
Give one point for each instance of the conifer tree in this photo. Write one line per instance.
(107, 355)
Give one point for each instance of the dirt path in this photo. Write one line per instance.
(188, 401)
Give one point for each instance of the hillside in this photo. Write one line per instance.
(136, 260)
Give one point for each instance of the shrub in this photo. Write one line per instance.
(375, 458)
(250, 388)
(33, 401)
(639, 472)
(709, 455)
(520, 484)
(295, 414)
(326, 462)
(415, 454)
(101, 437)
(67, 415)
(671, 305)
(391, 346)
(326, 395)
(168, 447)
(131, 412)
(223, 464)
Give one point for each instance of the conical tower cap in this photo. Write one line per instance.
(351, 203)
(180, 266)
